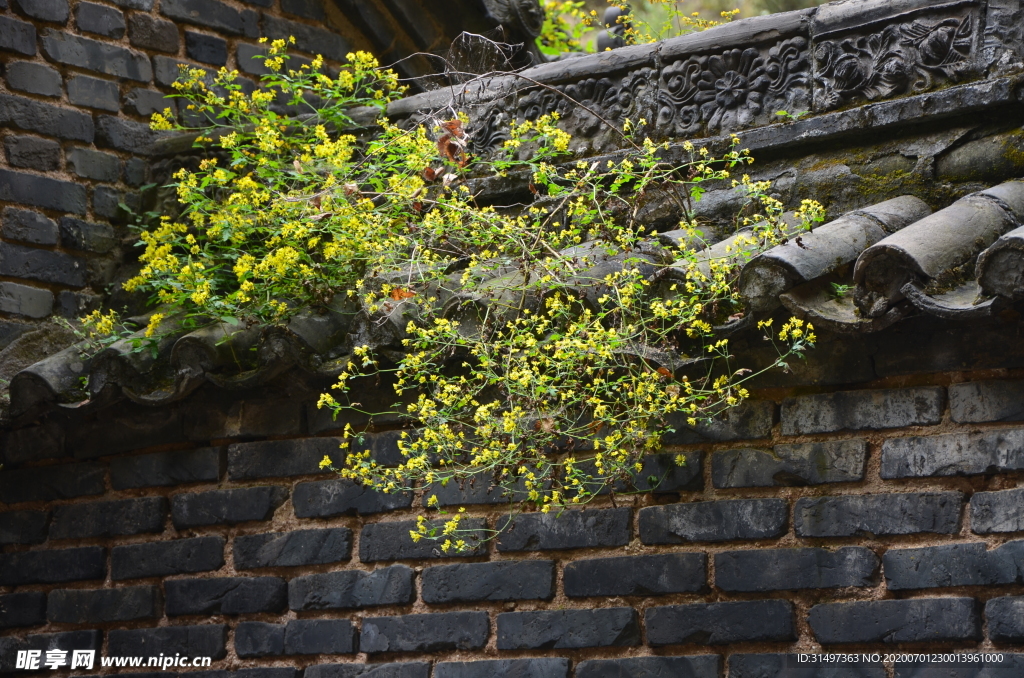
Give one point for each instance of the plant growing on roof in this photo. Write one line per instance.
(539, 349)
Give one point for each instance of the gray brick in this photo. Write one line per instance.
(954, 565)
(207, 49)
(97, 165)
(136, 171)
(106, 203)
(22, 609)
(52, 121)
(147, 102)
(564, 629)
(424, 632)
(636, 575)
(279, 458)
(800, 464)
(144, 5)
(720, 623)
(99, 606)
(25, 301)
(247, 63)
(23, 527)
(163, 469)
(50, 567)
(51, 482)
(292, 549)
(981, 401)
(504, 580)
(148, 32)
(795, 568)
(856, 410)
(84, 90)
(195, 509)
(878, 514)
(225, 595)
(953, 454)
(993, 512)
(28, 226)
(352, 589)
(309, 9)
(325, 498)
(750, 420)
(168, 69)
(320, 636)
(158, 559)
(125, 135)
(207, 640)
(896, 621)
(589, 528)
(94, 55)
(259, 639)
(772, 665)
(100, 19)
(212, 14)
(33, 78)
(553, 667)
(697, 666)
(46, 10)
(32, 152)
(67, 641)
(17, 36)
(723, 520)
(308, 38)
(400, 670)
(76, 304)
(44, 440)
(1005, 619)
(109, 518)
(37, 264)
(86, 236)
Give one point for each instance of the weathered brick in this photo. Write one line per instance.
(352, 589)
(636, 575)
(208, 640)
(212, 14)
(22, 609)
(106, 203)
(91, 164)
(28, 226)
(225, 595)
(279, 458)
(166, 70)
(148, 32)
(894, 408)
(953, 454)
(32, 152)
(795, 568)
(560, 629)
(17, 36)
(310, 9)
(259, 639)
(23, 527)
(84, 90)
(51, 482)
(46, 10)
(194, 509)
(278, 672)
(424, 632)
(67, 641)
(750, 420)
(109, 518)
(800, 464)
(93, 55)
(136, 171)
(878, 514)
(724, 520)
(770, 665)
(1005, 617)
(291, 549)
(100, 19)
(158, 559)
(49, 567)
(697, 666)
(325, 498)
(505, 580)
(37, 264)
(98, 606)
(53, 121)
(77, 304)
(320, 636)
(720, 623)
(661, 474)
(43, 440)
(146, 102)
(166, 468)
(130, 427)
(981, 401)
(245, 55)
(86, 236)
(954, 565)
(207, 49)
(33, 78)
(896, 621)
(571, 530)
(308, 38)
(22, 300)
(1001, 511)
(402, 670)
(553, 667)
(246, 418)
(144, 5)
(125, 135)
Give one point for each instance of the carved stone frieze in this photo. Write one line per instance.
(901, 58)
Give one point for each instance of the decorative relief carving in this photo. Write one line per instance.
(899, 59)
